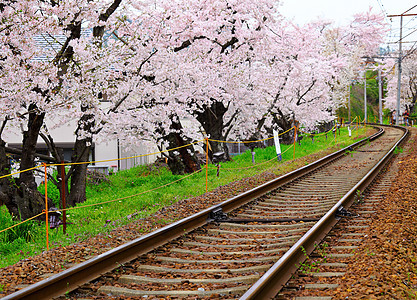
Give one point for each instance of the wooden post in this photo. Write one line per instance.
(64, 204)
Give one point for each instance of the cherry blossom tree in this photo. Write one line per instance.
(354, 44)
(25, 96)
(85, 60)
(296, 79)
(213, 58)
(223, 74)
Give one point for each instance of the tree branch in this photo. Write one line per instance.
(187, 43)
(230, 43)
(229, 125)
(305, 93)
(98, 31)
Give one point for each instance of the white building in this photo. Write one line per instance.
(107, 155)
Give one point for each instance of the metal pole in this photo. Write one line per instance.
(404, 14)
(399, 73)
(380, 95)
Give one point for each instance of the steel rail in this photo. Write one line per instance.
(277, 276)
(91, 269)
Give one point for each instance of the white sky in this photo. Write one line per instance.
(341, 11)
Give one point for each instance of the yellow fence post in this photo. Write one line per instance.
(295, 135)
(357, 129)
(46, 207)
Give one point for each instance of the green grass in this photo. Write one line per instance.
(29, 239)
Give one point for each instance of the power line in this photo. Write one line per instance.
(400, 40)
(382, 7)
(412, 19)
(408, 42)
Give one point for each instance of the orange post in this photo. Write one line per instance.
(357, 129)
(295, 135)
(46, 207)
(207, 158)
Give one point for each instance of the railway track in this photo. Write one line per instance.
(326, 268)
(250, 252)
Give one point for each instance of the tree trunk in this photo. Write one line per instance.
(20, 195)
(21, 201)
(81, 153)
(79, 177)
(30, 139)
(212, 120)
(182, 160)
(251, 144)
(83, 144)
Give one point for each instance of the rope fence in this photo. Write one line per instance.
(207, 145)
(130, 196)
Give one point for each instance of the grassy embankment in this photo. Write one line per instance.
(29, 239)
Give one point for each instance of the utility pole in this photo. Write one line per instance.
(400, 59)
(371, 59)
(397, 120)
(380, 95)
